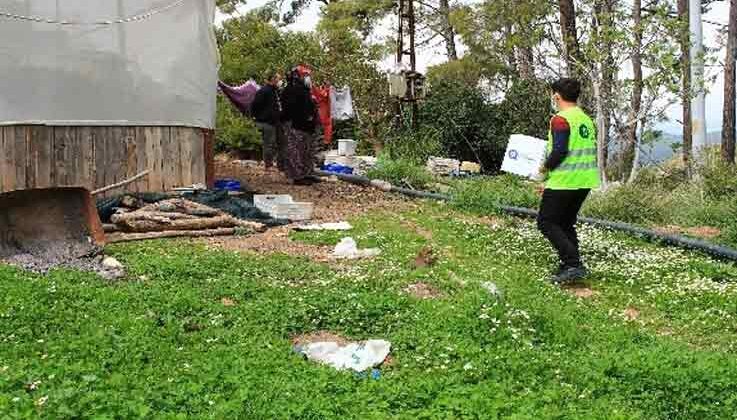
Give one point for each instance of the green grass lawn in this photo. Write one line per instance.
(161, 344)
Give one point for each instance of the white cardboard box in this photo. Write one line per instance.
(525, 155)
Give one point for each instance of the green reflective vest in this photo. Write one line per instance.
(579, 170)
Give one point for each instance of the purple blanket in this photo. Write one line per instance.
(240, 96)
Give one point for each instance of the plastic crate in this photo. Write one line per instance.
(283, 207)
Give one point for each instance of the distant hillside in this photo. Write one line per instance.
(663, 150)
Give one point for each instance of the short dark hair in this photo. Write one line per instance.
(568, 89)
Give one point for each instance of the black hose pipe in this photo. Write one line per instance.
(649, 234)
(353, 179)
(679, 241)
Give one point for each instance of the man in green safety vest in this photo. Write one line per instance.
(570, 172)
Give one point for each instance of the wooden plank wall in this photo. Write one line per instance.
(92, 157)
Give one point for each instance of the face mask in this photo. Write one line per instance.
(554, 104)
(308, 81)
(281, 84)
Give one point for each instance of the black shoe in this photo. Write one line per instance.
(561, 267)
(570, 275)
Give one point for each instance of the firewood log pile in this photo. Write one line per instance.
(176, 217)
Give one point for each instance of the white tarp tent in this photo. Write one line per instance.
(108, 62)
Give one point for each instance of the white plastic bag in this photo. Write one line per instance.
(348, 249)
(356, 356)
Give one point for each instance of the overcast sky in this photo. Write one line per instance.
(432, 56)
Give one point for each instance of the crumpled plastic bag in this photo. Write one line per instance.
(356, 356)
(348, 249)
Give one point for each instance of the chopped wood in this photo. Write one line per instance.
(153, 223)
(178, 215)
(131, 202)
(110, 228)
(131, 237)
(123, 217)
(180, 205)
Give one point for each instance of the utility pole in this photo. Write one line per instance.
(698, 104)
(407, 30)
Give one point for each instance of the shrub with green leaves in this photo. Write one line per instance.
(630, 204)
(719, 179)
(235, 132)
(402, 173)
(459, 119)
(484, 195)
(415, 146)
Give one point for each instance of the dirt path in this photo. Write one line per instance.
(335, 201)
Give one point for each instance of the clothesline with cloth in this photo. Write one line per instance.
(241, 96)
(321, 96)
(334, 104)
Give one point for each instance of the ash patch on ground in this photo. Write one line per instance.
(106, 267)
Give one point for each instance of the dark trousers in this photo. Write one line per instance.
(274, 144)
(269, 136)
(557, 221)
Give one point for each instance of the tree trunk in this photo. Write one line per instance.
(526, 62)
(698, 81)
(449, 33)
(684, 39)
(604, 12)
(636, 158)
(601, 136)
(570, 37)
(511, 58)
(636, 105)
(728, 122)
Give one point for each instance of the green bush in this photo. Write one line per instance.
(484, 195)
(630, 204)
(665, 178)
(719, 180)
(235, 132)
(415, 146)
(402, 173)
(525, 109)
(462, 119)
(459, 119)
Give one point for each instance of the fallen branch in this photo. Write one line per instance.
(122, 183)
(151, 223)
(131, 237)
(118, 218)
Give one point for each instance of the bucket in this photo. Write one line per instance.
(346, 147)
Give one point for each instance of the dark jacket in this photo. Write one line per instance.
(266, 107)
(299, 108)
